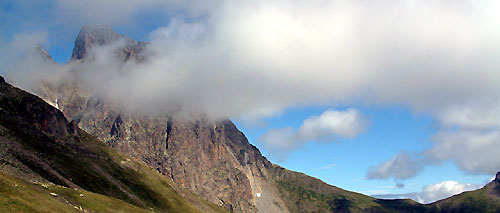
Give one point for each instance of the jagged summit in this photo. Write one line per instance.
(91, 35)
(98, 35)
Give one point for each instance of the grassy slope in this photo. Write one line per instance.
(80, 160)
(485, 199)
(307, 194)
(17, 195)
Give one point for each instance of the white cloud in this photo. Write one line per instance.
(473, 151)
(469, 137)
(433, 192)
(250, 56)
(328, 127)
(331, 124)
(479, 115)
(445, 189)
(400, 166)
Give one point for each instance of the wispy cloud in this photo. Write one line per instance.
(324, 167)
(327, 127)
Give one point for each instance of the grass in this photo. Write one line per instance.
(481, 200)
(324, 201)
(308, 194)
(17, 195)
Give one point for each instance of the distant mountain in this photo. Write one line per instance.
(212, 159)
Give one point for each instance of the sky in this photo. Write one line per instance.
(387, 98)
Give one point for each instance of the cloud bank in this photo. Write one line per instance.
(253, 59)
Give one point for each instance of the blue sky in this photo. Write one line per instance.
(397, 96)
(344, 163)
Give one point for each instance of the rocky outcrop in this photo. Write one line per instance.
(212, 159)
(99, 35)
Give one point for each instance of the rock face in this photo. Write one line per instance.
(37, 143)
(212, 159)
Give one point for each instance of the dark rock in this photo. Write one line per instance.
(2, 80)
(73, 127)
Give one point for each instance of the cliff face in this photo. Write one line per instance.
(212, 159)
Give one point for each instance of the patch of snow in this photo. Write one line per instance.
(57, 103)
(258, 194)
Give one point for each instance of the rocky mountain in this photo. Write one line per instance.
(48, 164)
(212, 159)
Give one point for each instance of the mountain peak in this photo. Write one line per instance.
(91, 35)
(99, 35)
